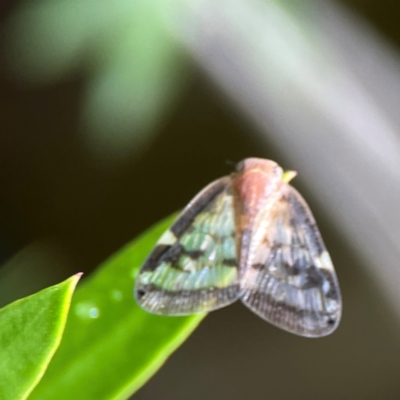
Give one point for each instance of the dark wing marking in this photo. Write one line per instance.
(193, 267)
(289, 279)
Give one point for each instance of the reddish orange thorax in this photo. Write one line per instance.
(256, 184)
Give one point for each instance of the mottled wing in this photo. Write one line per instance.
(290, 280)
(193, 267)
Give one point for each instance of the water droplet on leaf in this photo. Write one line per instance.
(87, 310)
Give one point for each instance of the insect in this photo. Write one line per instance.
(248, 236)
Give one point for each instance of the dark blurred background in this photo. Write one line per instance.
(111, 121)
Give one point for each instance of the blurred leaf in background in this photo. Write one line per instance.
(135, 68)
(30, 332)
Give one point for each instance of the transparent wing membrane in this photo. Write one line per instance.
(291, 282)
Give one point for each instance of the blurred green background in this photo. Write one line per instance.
(112, 119)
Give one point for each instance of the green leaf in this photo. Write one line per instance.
(30, 332)
(111, 347)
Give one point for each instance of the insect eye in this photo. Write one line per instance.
(277, 172)
(240, 166)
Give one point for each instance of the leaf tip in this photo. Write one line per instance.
(75, 279)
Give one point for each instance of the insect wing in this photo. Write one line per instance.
(290, 280)
(193, 267)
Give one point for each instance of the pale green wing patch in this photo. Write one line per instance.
(194, 266)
